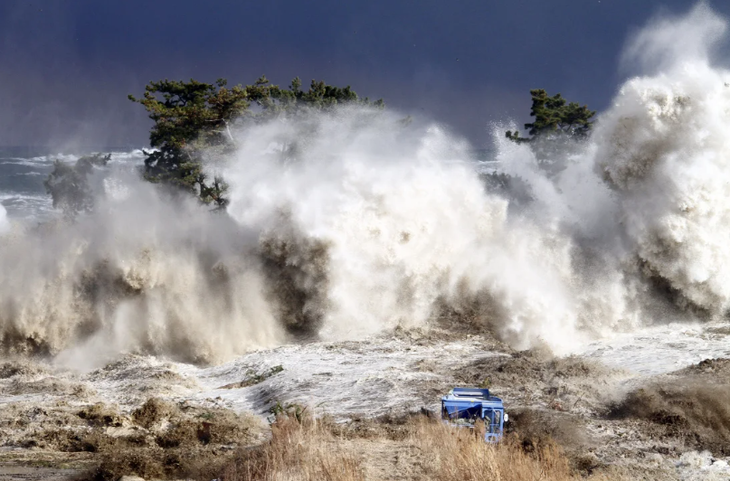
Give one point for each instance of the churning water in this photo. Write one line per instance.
(345, 224)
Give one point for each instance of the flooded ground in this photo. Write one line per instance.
(601, 404)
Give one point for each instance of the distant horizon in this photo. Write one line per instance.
(46, 150)
(50, 149)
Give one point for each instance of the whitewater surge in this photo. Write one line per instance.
(346, 223)
(664, 149)
(401, 225)
(366, 228)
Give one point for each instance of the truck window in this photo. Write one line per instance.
(467, 414)
(492, 419)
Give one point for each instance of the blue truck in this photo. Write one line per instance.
(463, 406)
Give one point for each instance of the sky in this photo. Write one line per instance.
(67, 66)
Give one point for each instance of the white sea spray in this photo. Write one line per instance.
(346, 223)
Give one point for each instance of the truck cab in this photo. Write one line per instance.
(463, 406)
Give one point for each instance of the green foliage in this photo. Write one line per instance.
(292, 411)
(69, 186)
(193, 120)
(253, 378)
(512, 187)
(555, 116)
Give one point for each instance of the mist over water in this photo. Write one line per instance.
(4, 223)
(346, 224)
(384, 226)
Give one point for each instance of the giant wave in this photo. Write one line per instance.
(370, 225)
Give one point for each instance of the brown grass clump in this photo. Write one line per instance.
(457, 454)
(300, 449)
(306, 450)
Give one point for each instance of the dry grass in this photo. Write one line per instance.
(301, 449)
(307, 450)
(453, 454)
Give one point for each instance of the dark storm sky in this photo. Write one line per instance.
(68, 65)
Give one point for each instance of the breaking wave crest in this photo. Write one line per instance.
(664, 149)
(347, 223)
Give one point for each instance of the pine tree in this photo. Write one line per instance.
(554, 116)
(193, 120)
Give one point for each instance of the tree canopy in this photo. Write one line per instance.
(555, 116)
(68, 184)
(195, 118)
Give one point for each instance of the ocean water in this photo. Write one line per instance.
(21, 183)
(23, 170)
